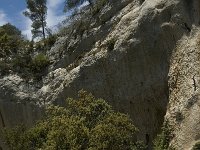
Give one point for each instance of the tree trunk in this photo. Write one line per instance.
(43, 30)
(43, 27)
(2, 120)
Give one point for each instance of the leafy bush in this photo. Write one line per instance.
(20, 62)
(114, 132)
(111, 44)
(4, 67)
(16, 53)
(85, 123)
(16, 138)
(28, 67)
(10, 38)
(10, 30)
(196, 146)
(45, 44)
(49, 41)
(25, 66)
(163, 139)
(39, 64)
(5, 45)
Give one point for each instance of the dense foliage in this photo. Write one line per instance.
(196, 146)
(10, 40)
(39, 64)
(29, 67)
(17, 53)
(163, 139)
(85, 123)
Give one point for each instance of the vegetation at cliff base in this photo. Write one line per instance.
(163, 139)
(86, 123)
(196, 146)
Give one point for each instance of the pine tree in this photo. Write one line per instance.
(37, 12)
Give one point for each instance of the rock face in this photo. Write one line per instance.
(127, 57)
(184, 106)
(17, 103)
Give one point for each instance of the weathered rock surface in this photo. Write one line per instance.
(184, 106)
(128, 61)
(17, 103)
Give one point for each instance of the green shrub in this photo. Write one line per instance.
(39, 64)
(21, 65)
(85, 123)
(45, 44)
(17, 138)
(39, 46)
(10, 38)
(163, 139)
(25, 66)
(114, 132)
(16, 53)
(4, 67)
(5, 47)
(20, 62)
(196, 146)
(10, 30)
(50, 41)
(110, 44)
(26, 47)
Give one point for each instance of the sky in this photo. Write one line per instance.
(12, 11)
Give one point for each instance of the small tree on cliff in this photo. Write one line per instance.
(37, 11)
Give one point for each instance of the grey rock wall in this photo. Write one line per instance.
(128, 60)
(130, 66)
(184, 106)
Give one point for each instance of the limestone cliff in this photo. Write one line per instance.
(184, 105)
(128, 55)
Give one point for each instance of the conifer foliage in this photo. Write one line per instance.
(37, 12)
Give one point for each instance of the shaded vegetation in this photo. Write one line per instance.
(196, 146)
(18, 55)
(10, 40)
(162, 140)
(85, 123)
